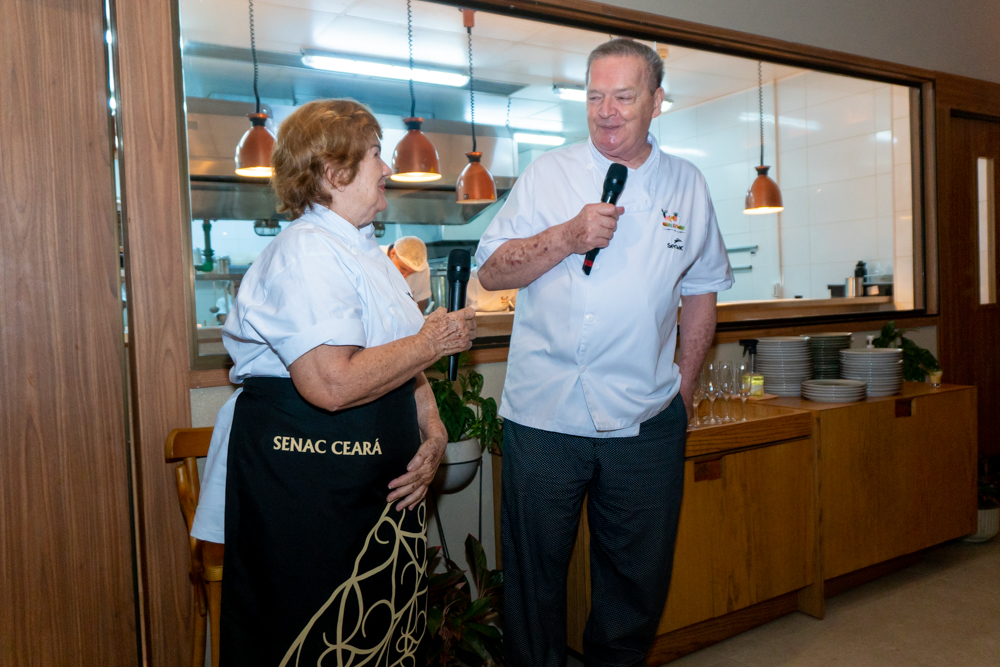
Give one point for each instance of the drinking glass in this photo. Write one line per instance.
(699, 396)
(745, 387)
(711, 392)
(727, 387)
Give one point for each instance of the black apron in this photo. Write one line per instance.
(319, 569)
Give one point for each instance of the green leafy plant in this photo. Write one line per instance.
(460, 630)
(464, 411)
(917, 361)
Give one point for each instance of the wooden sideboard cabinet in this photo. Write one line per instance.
(895, 475)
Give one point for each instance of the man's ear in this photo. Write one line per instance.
(658, 95)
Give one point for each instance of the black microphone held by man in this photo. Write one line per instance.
(614, 184)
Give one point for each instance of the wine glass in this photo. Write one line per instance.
(697, 398)
(711, 392)
(745, 387)
(727, 387)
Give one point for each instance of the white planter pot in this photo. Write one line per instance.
(459, 465)
(989, 526)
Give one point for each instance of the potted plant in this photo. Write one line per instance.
(460, 630)
(917, 361)
(989, 502)
(471, 420)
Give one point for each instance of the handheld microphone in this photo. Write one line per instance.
(614, 183)
(459, 267)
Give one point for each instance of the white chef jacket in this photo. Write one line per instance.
(594, 355)
(419, 281)
(420, 284)
(321, 281)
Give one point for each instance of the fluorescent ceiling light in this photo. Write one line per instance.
(382, 70)
(665, 106)
(539, 139)
(570, 93)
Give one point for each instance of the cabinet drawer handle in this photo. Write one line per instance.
(706, 471)
(904, 407)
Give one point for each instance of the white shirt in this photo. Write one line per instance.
(420, 284)
(321, 281)
(594, 355)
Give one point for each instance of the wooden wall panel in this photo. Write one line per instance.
(66, 586)
(153, 205)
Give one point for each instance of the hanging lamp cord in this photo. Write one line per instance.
(472, 93)
(253, 55)
(760, 103)
(409, 39)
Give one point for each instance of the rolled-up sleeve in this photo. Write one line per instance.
(710, 271)
(312, 302)
(514, 220)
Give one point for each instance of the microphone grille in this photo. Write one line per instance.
(459, 265)
(615, 180)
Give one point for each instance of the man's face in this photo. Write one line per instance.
(620, 107)
(403, 268)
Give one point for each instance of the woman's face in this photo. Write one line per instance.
(361, 200)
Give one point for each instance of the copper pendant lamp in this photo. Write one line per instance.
(764, 195)
(415, 159)
(253, 153)
(475, 184)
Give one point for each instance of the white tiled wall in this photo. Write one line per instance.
(842, 159)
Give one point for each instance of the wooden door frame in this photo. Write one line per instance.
(155, 200)
(155, 203)
(966, 98)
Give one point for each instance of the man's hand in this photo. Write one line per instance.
(592, 227)
(412, 487)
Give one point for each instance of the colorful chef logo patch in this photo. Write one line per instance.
(670, 222)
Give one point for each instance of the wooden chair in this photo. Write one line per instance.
(186, 445)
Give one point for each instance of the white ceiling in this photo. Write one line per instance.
(506, 49)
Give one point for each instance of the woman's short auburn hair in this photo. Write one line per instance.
(316, 137)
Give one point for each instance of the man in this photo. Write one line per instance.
(409, 254)
(593, 401)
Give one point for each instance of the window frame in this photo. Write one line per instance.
(602, 18)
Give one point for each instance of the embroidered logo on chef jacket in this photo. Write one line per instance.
(670, 222)
(322, 446)
(676, 244)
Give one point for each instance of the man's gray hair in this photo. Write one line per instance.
(630, 47)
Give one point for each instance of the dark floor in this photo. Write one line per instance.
(943, 611)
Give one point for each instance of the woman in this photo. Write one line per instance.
(335, 434)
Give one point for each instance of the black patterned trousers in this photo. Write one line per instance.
(633, 488)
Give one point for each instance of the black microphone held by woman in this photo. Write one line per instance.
(614, 183)
(459, 267)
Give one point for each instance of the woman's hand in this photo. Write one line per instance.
(412, 487)
(450, 333)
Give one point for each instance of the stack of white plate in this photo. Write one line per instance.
(826, 349)
(881, 368)
(834, 391)
(784, 361)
